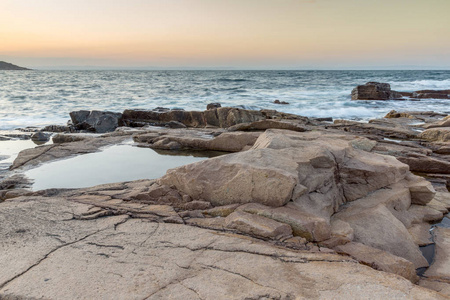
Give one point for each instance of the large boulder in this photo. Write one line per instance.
(318, 172)
(375, 91)
(242, 177)
(96, 121)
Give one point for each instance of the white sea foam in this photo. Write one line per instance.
(418, 85)
(46, 97)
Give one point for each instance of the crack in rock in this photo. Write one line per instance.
(4, 284)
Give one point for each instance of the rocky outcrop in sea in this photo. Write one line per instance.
(382, 91)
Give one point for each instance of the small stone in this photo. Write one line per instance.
(280, 102)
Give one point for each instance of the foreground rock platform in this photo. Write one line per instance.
(49, 251)
(296, 188)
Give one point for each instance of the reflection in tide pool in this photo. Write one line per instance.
(114, 164)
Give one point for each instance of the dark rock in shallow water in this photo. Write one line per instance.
(327, 119)
(40, 136)
(96, 121)
(280, 102)
(431, 94)
(382, 91)
(59, 128)
(375, 91)
(221, 117)
(213, 106)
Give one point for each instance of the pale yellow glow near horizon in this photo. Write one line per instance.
(225, 32)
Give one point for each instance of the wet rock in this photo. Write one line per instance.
(68, 138)
(257, 225)
(326, 119)
(280, 102)
(40, 136)
(59, 128)
(380, 260)
(431, 94)
(96, 121)
(213, 106)
(375, 91)
(219, 117)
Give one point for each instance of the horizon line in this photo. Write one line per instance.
(97, 68)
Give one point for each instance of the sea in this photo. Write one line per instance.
(38, 98)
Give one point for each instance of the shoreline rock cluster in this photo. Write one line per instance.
(382, 91)
(312, 197)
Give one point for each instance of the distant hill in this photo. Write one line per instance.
(8, 66)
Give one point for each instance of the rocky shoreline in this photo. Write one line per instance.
(299, 207)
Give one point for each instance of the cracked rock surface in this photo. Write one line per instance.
(48, 251)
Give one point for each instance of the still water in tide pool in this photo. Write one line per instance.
(114, 164)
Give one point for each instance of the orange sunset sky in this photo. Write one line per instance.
(245, 34)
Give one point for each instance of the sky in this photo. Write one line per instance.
(226, 34)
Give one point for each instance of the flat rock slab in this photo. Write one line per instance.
(46, 252)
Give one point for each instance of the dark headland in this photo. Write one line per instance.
(8, 66)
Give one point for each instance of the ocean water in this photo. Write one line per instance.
(37, 98)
